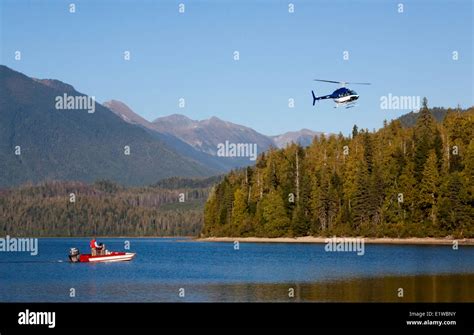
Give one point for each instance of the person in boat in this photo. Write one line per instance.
(96, 248)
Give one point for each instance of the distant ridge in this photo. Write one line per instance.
(205, 135)
(409, 119)
(303, 137)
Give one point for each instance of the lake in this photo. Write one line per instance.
(211, 271)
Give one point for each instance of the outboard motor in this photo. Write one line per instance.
(74, 255)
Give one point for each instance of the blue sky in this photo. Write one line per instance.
(190, 55)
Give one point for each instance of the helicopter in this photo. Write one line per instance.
(342, 96)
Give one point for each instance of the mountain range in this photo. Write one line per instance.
(205, 135)
(40, 141)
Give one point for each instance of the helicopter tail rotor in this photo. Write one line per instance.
(314, 98)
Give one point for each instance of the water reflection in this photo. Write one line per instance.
(424, 288)
(439, 288)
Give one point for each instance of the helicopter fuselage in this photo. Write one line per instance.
(344, 95)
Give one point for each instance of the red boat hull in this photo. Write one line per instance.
(111, 257)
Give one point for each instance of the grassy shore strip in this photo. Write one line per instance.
(370, 240)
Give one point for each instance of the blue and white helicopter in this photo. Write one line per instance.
(342, 96)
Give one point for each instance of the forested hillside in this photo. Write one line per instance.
(102, 209)
(395, 182)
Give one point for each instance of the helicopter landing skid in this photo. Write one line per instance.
(347, 105)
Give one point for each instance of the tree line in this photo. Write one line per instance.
(398, 181)
(102, 209)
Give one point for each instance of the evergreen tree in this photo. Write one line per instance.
(406, 195)
(368, 152)
(455, 212)
(327, 204)
(428, 188)
(423, 138)
(355, 131)
(438, 148)
(469, 164)
(360, 203)
(275, 219)
(300, 221)
(239, 212)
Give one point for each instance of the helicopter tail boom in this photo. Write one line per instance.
(315, 98)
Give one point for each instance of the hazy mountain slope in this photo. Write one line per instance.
(126, 113)
(205, 135)
(304, 137)
(74, 144)
(218, 164)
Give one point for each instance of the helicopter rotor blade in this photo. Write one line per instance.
(343, 83)
(329, 81)
(357, 83)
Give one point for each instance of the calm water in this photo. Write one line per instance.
(257, 272)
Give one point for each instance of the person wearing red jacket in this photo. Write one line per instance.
(95, 247)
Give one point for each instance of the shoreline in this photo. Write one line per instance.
(302, 239)
(323, 240)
